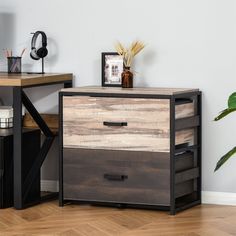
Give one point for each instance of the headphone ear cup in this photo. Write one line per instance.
(33, 55)
(42, 52)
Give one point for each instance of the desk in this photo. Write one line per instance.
(19, 82)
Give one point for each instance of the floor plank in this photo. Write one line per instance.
(84, 220)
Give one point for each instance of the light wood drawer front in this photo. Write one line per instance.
(117, 176)
(147, 129)
(185, 110)
(147, 123)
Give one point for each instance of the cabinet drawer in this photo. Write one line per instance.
(117, 176)
(132, 124)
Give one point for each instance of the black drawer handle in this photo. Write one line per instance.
(107, 123)
(114, 177)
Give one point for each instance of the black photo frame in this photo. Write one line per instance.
(112, 67)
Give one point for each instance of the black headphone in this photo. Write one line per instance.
(42, 52)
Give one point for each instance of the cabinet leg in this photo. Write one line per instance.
(172, 211)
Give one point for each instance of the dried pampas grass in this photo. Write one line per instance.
(129, 53)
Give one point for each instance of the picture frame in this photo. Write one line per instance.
(112, 67)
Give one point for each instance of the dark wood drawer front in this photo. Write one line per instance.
(117, 176)
(184, 161)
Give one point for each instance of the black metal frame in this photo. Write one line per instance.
(104, 54)
(172, 154)
(196, 148)
(21, 188)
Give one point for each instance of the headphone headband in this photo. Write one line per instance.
(34, 39)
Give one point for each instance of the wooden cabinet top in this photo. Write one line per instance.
(139, 90)
(24, 79)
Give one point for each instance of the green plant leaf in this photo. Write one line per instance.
(232, 101)
(224, 113)
(225, 158)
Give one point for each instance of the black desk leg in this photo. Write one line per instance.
(68, 84)
(17, 141)
(21, 188)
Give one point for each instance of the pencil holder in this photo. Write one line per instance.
(14, 64)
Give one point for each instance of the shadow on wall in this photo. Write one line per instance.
(7, 31)
(149, 59)
(53, 53)
(7, 40)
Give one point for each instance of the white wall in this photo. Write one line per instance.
(190, 43)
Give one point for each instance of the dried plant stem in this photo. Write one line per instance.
(129, 53)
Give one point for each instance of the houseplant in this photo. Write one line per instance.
(128, 55)
(231, 108)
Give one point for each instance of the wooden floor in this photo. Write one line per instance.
(83, 220)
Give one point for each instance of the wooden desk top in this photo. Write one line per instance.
(138, 90)
(24, 80)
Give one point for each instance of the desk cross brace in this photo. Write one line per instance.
(23, 186)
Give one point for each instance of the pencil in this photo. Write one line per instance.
(5, 53)
(22, 52)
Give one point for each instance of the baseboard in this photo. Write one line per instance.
(208, 197)
(219, 198)
(49, 185)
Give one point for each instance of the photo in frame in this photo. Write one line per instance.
(112, 68)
